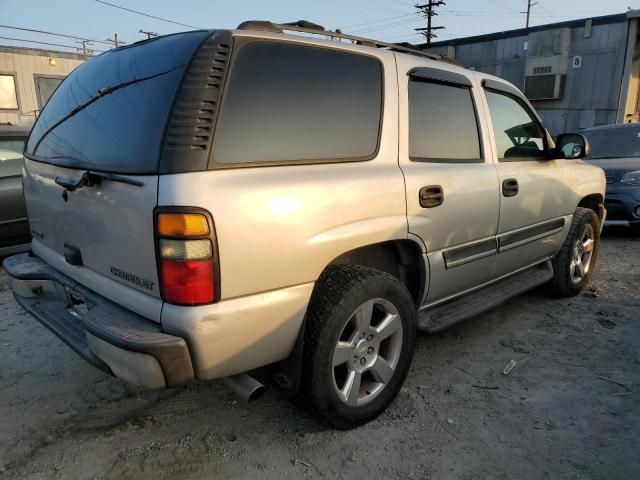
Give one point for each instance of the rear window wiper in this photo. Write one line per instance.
(92, 179)
(101, 93)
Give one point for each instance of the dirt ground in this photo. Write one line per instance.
(570, 409)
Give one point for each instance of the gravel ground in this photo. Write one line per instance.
(570, 409)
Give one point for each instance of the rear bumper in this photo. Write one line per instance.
(108, 336)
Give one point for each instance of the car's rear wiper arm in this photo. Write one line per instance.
(91, 179)
(101, 93)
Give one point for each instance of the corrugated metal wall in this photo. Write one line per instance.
(591, 92)
(25, 67)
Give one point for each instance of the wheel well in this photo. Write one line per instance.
(401, 258)
(594, 202)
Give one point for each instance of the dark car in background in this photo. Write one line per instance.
(14, 226)
(616, 149)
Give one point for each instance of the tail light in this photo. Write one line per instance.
(187, 257)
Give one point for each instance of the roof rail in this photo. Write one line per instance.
(305, 26)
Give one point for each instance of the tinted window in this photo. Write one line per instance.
(622, 142)
(120, 130)
(297, 103)
(442, 123)
(518, 133)
(11, 157)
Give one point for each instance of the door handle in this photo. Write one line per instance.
(510, 187)
(431, 196)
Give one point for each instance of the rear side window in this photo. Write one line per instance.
(11, 157)
(442, 123)
(288, 103)
(109, 114)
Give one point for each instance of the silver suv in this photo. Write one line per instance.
(207, 203)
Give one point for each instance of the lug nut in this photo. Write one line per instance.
(370, 350)
(363, 361)
(369, 338)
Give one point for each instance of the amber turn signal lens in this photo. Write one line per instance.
(182, 224)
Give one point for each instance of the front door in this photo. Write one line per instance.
(452, 187)
(535, 196)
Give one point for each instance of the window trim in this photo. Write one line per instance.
(36, 76)
(16, 91)
(520, 101)
(241, 41)
(469, 88)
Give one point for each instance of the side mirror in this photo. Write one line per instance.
(572, 146)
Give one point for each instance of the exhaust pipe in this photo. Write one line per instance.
(246, 387)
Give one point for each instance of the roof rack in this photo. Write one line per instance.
(305, 26)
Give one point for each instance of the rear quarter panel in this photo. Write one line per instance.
(279, 226)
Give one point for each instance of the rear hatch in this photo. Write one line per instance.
(91, 168)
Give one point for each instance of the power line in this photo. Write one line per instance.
(147, 14)
(379, 20)
(43, 43)
(377, 28)
(495, 2)
(55, 34)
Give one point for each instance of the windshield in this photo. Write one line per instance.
(109, 114)
(11, 157)
(614, 142)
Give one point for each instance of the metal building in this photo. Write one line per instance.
(577, 74)
(28, 77)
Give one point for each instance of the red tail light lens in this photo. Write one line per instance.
(188, 283)
(187, 259)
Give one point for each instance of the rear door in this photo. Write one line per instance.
(452, 188)
(105, 123)
(14, 226)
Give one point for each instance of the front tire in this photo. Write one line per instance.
(359, 341)
(574, 264)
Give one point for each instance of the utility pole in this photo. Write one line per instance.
(115, 40)
(85, 50)
(528, 12)
(148, 34)
(428, 11)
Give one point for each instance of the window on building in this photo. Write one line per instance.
(45, 86)
(11, 157)
(519, 135)
(288, 103)
(442, 123)
(8, 95)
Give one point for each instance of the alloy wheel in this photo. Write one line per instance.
(582, 254)
(367, 352)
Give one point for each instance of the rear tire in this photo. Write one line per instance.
(576, 260)
(359, 341)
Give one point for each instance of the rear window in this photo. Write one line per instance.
(621, 142)
(11, 157)
(123, 99)
(288, 103)
(442, 123)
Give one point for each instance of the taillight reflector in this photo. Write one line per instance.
(188, 283)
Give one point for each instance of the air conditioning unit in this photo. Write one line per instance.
(545, 87)
(547, 64)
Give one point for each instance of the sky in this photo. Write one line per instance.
(388, 20)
